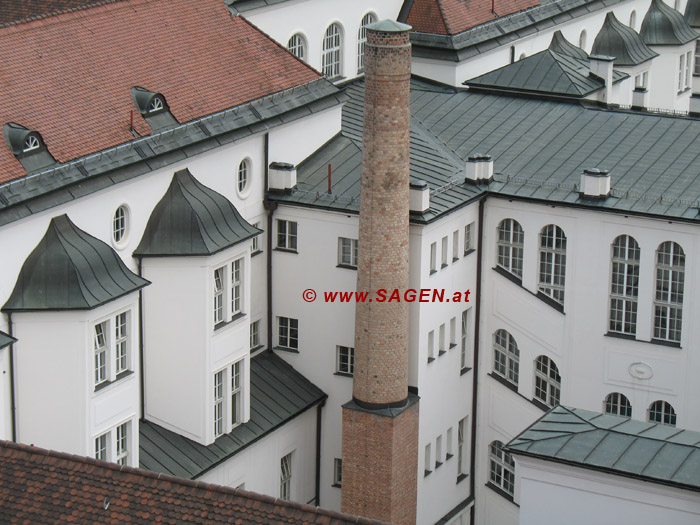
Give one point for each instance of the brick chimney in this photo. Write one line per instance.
(380, 423)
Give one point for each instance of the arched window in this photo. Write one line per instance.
(582, 39)
(668, 301)
(331, 56)
(243, 177)
(510, 247)
(501, 468)
(624, 285)
(369, 18)
(547, 381)
(618, 405)
(506, 356)
(633, 19)
(677, 5)
(156, 104)
(120, 224)
(297, 46)
(552, 262)
(522, 55)
(662, 412)
(31, 143)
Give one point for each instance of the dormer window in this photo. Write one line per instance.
(156, 104)
(31, 143)
(153, 108)
(27, 146)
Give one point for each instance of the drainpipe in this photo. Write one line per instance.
(475, 370)
(270, 207)
(319, 411)
(12, 380)
(141, 360)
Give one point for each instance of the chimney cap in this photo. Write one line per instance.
(602, 58)
(479, 157)
(281, 166)
(596, 172)
(388, 26)
(418, 185)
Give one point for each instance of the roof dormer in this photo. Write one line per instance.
(153, 107)
(27, 146)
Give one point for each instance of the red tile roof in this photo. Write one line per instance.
(41, 486)
(13, 10)
(449, 17)
(69, 76)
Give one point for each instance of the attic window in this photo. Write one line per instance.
(156, 104)
(31, 143)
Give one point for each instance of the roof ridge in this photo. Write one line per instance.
(639, 434)
(31, 449)
(57, 12)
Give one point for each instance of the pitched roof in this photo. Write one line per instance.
(192, 219)
(6, 340)
(561, 45)
(15, 10)
(97, 55)
(278, 394)
(692, 13)
(41, 486)
(613, 444)
(545, 72)
(663, 25)
(449, 17)
(70, 270)
(622, 42)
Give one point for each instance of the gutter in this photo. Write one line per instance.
(141, 371)
(270, 206)
(13, 408)
(319, 412)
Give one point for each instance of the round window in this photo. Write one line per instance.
(243, 179)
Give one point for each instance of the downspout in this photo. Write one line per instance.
(475, 377)
(141, 372)
(319, 411)
(12, 379)
(270, 207)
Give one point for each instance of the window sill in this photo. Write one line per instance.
(549, 301)
(539, 404)
(433, 272)
(684, 90)
(441, 353)
(630, 337)
(469, 251)
(342, 374)
(438, 464)
(117, 379)
(455, 259)
(672, 344)
(511, 277)
(256, 348)
(346, 266)
(427, 473)
(223, 324)
(286, 349)
(448, 456)
(505, 382)
(431, 359)
(461, 478)
(464, 370)
(286, 250)
(498, 490)
(619, 335)
(452, 345)
(256, 252)
(443, 266)
(336, 485)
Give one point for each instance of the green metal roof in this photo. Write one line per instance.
(192, 219)
(692, 13)
(613, 444)
(561, 45)
(622, 42)
(6, 340)
(278, 394)
(546, 72)
(663, 25)
(71, 270)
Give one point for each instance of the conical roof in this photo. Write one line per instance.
(692, 13)
(561, 45)
(622, 42)
(192, 219)
(664, 26)
(71, 270)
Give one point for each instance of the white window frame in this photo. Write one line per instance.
(431, 346)
(510, 247)
(617, 404)
(243, 175)
(122, 444)
(120, 223)
(438, 451)
(662, 412)
(444, 253)
(332, 51)
(641, 80)
(337, 472)
(552, 270)
(344, 360)
(218, 391)
(296, 45)
(286, 472)
(102, 447)
(668, 299)
(237, 286)
(633, 19)
(448, 444)
(369, 18)
(219, 294)
(469, 238)
(461, 448)
(453, 332)
(228, 390)
(455, 245)
(697, 57)
(463, 339)
(236, 395)
(433, 258)
(115, 445)
(31, 143)
(506, 356)
(501, 468)
(101, 350)
(547, 385)
(624, 285)
(287, 235)
(288, 332)
(112, 348)
(582, 37)
(348, 252)
(428, 464)
(255, 334)
(255, 248)
(441, 340)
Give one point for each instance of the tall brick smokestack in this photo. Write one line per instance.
(380, 424)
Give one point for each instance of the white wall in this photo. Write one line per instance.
(5, 395)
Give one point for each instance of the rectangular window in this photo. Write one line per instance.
(286, 477)
(236, 393)
(670, 286)
(337, 472)
(345, 360)
(463, 351)
(431, 346)
(428, 462)
(236, 286)
(453, 332)
(461, 449)
(444, 252)
(441, 340)
(100, 353)
(122, 455)
(101, 447)
(688, 69)
(448, 443)
(254, 334)
(468, 238)
(219, 295)
(256, 239)
(455, 245)
(347, 252)
(286, 235)
(120, 343)
(438, 452)
(219, 403)
(697, 57)
(641, 80)
(288, 331)
(433, 258)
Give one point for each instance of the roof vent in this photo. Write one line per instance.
(27, 146)
(479, 168)
(419, 199)
(595, 183)
(602, 67)
(282, 176)
(694, 109)
(640, 98)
